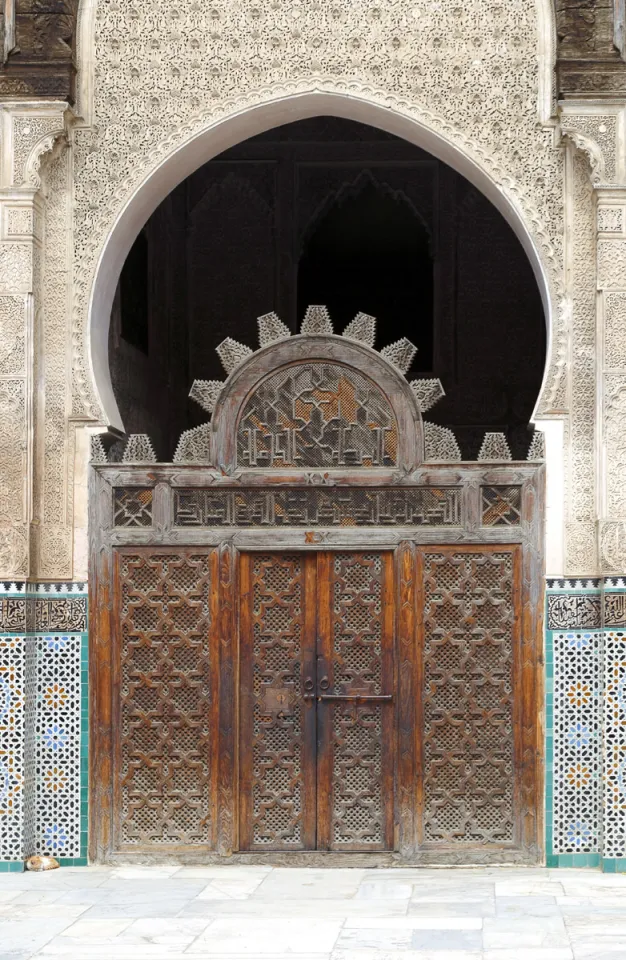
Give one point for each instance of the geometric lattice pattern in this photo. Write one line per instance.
(501, 506)
(133, 507)
(58, 745)
(468, 746)
(358, 807)
(277, 626)
(348, 507)
(614, 827)
(577, 738)
(14, 746)
(317, 415)
(165, 695)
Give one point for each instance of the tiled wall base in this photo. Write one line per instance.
(586, 724)
(573, 860)
(50, 718)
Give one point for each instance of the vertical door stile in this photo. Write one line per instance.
(306, 694)
(406, 701)
(419, 694)
(388, 712)
(246, 702)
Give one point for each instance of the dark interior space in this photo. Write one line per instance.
(334, 212)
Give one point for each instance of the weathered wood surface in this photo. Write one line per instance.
(234, 551)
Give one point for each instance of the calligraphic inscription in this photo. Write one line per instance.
(615, 609)
(12, 615)
(335, 507)
(569, 611)
(61, 613)
(317, 415)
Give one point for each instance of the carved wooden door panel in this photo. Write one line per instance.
(474, 768)
(355, 705)
(164, 710)
(316, 702)
(277, 724)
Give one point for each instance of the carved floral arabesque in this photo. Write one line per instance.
(165, 72)
(581, 539)
(54, 452)
(615, 437)
(615, 330)
(596, 137)
(33, 136)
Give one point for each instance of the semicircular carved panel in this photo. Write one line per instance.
(317, 415)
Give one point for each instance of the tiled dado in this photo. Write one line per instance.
(586, 723)
(43, 723)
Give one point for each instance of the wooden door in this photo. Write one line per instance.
(316, 742)
(165, 705)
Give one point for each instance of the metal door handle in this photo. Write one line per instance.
(308, 688)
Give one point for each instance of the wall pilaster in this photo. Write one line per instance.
(28, 131)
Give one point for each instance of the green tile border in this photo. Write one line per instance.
(614, 865)
(11, 866)
(561, 860)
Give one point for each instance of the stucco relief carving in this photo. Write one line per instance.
(13, 336)
(33, 136)
(611, 263)
(596, 137)
(613, 546)
(615, 445)
(13, 506)
(16, 267)
(55, 435)
(614, 330)
(610, 219)
(166, 72)
(19, 221)
(581, 547)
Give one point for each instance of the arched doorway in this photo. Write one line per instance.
(208, 800)
(328, 210)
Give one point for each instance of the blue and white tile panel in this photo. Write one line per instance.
(577, 742)
(58, 745)
(614, 828)
(17, 732)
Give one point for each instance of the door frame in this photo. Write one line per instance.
(164, 482)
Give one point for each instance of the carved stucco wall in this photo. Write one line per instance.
(155, 75)
(162, 73)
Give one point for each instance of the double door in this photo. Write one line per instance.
(316, 725)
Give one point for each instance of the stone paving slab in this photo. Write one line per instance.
(265, 913)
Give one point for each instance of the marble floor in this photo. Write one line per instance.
(208, 913)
